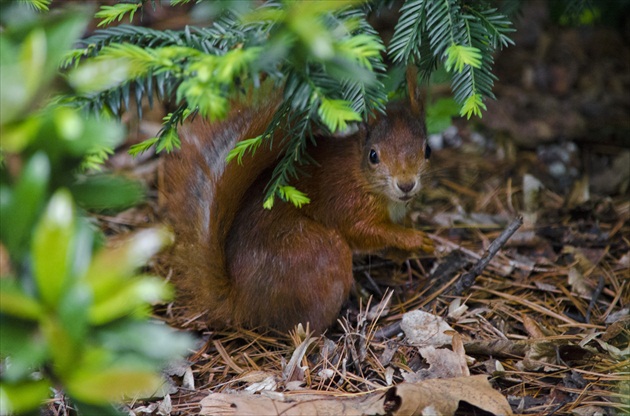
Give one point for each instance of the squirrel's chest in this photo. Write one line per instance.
(397, 211)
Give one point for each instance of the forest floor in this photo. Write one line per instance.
(547, 321)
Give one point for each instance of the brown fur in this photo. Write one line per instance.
(249, 266)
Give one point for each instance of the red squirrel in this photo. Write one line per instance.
(244, 265)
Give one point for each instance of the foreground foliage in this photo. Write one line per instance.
(73, 314)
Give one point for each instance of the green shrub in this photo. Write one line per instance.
(73, 314)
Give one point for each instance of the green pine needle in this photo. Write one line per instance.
(268, 204)
(39, 5)
(325, 54)
(95, 159)
(116, 12)
(168, 141)
(361, 48)
(235, 62)
(459, 56)
(72, 58)
(206, 97)
(242, 147)
(473, 106)
(336, 114)
(141, 60)
(143, 146)
(407, 34)
(290, 194)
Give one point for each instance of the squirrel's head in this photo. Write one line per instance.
(396, 152)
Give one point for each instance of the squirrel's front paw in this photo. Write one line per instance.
(427, 243)
(397, 255)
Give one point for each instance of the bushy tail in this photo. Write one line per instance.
(203, 193)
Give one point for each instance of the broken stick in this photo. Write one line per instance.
(468, 279)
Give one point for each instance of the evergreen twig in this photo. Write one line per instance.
(327, 56)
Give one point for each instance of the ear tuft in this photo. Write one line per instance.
(416, 94)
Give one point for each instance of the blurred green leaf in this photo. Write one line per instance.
(271, 14)
(24, 204)
(138, 61)
(148, 340)
(96, 76)
(24, 396)
(126, 297)
(95, 132)
(21, 340)
(40, 5)
(138, 148)
(40, 52)
(115, 294)
(52, 248)
(440, 115)
(63, 350)
(73, 312)
(207, 97)
(104, 191)
(15, 302)
(17, 136)
(14, 95)
(86, 239)
(233, 63)
(95, 159)
(47, 313)
(98, 409)
(112, 384)
(69, 124)
(305, 20)
(361, 48)
(168, 140)
(32, 61)
(115, 264)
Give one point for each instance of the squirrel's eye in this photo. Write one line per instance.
(427, 151)
(373, 157)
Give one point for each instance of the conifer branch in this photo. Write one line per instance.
(326, 55)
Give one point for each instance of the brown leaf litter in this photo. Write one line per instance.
(546, 323)
(543, 330)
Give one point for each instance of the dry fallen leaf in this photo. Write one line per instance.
(578, 282)
(443, 363)
(442, 397)
(293, 371)
(423, 328)
(532, 327)
(428, 397)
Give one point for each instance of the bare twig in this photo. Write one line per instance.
(468, 279)
(388, 331)
(594, 297)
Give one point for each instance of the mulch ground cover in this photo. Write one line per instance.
(547, 320)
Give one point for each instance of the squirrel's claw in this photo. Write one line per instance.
(427, 244)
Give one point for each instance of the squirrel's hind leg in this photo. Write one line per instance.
(303, 276)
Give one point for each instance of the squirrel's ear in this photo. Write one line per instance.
(364, 131)
(416, 94)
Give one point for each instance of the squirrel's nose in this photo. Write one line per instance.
(406, 187)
